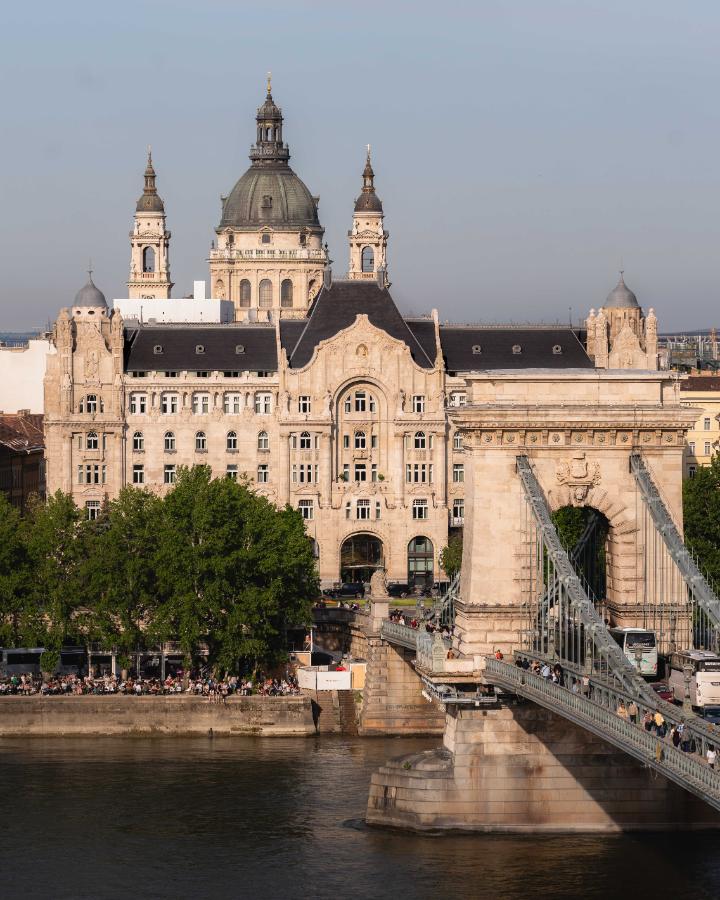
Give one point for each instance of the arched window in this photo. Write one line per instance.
(420, 562)
(200, 441)
(263, 441)
(91, 441)
(360, 440)
(368, 259)
(148, 259)
(420, 442)
(231, 442)
(91, 404)
(138, 441)
(245, 293)
(286, 293)
(220, 289)
(266, 293)
(169, 442)
(305, 441)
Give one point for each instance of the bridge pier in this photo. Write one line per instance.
(521, 768)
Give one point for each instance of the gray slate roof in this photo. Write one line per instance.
(220, 345)
(496, 342)
(336, 308)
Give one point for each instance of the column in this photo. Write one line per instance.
(325, 470)
(284, 472)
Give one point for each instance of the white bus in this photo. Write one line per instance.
(704, 686)
(640, 648)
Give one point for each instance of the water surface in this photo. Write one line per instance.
(282, 818)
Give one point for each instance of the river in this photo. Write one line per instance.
(282, 818)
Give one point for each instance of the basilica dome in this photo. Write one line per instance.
(269, 196)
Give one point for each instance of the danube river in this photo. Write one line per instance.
(282, 818)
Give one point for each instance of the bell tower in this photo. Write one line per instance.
(149, 244)
(368, 238)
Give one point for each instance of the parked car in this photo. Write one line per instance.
(398, 590)
(663, 691)
(347, 589)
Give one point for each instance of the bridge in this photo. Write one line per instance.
(492, 676)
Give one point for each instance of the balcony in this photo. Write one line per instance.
(272, 254)
(456, 521)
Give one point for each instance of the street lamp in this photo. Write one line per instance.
(687, 674)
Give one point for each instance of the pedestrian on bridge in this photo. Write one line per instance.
(648, 721)
(711, 755)
(633, 712)
(622, 711)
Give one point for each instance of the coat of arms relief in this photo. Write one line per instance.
(579, 475)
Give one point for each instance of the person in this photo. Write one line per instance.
(498, 654)
(525, 663)
(546, 672)
(711, 755)
(622, 711)
(675, 736)
(633, 712)
(659, 721)
(648, 720)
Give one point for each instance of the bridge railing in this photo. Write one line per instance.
(685, 769)
(395, 633)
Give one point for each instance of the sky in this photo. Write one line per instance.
(524, 151)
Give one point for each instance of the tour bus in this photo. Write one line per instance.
(640, 647)
(704, 677)
(26, 661)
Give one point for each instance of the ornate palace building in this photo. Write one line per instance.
(320, 392)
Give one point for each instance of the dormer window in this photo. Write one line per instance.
(517, 349)
(557, 349)
(199, 348)
(265, 238)
(477, 349)
(157, 349)
(266, 202)
(239, 349)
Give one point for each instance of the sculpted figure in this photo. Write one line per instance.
(378, 585)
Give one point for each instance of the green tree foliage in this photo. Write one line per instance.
(570, 523)
(14, 575)
(701, 514)
(451, 557)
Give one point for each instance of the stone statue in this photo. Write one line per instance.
(378, 585)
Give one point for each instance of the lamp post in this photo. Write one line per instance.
(687, 674)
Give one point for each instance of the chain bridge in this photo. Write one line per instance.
(526, 751)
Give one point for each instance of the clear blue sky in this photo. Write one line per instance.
(522, 149)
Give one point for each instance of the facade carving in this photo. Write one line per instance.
(619, 336)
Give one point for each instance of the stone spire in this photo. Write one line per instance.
(149, 243)
(368, 238)
(269, 149)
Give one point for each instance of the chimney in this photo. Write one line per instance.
(327, 278)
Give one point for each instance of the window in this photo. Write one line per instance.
(169, 404)
(347, 509)
(459, 398)
(362, 509)
(304, 404)
(373, 472)
(420, 509)
(378, 508)
(200, 349)
(169, 475)
(263, 473)
(231, 472)
(91, 441)
(707, 448)
(418, 473)
(138, 442)
(346, 472)
(306, 509)
(139, 374)
(367, 259)
(232, 403)
(263, 441)
(231, 374)
(92, 508)
(360, 472)
(171, 374)
(245, 293)
(201, 374)
(263, 403)
(138, 474)
(691, 471)
(360, 441)
(91, 404)
(457, 441)
(458, 511)
(286, 293)
(169, 442)
(200, 404)
(231, 441)
(691, 447)
(266, 290)
(305, 441)
(148, 259)
(138, 404)
(91, 473)
(346, 442)
(420, 442)
(265, 239)
(420, 562)
(304, 473)
(264, 373)
(373, 441)
(200, 442)
(458, 473)
(360, 401)
(418, 403)
(706, 424)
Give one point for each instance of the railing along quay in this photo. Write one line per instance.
(682, 768)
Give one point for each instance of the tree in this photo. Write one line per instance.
(119, 571)
(14, 576)
(55, 537)
(233, 571)
(701, 514)
(451, 556)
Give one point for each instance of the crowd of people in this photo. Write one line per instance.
(398, 616)
(216, 689)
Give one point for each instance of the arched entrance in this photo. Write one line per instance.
(360, 556)
(421, 562)
(584, 531)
